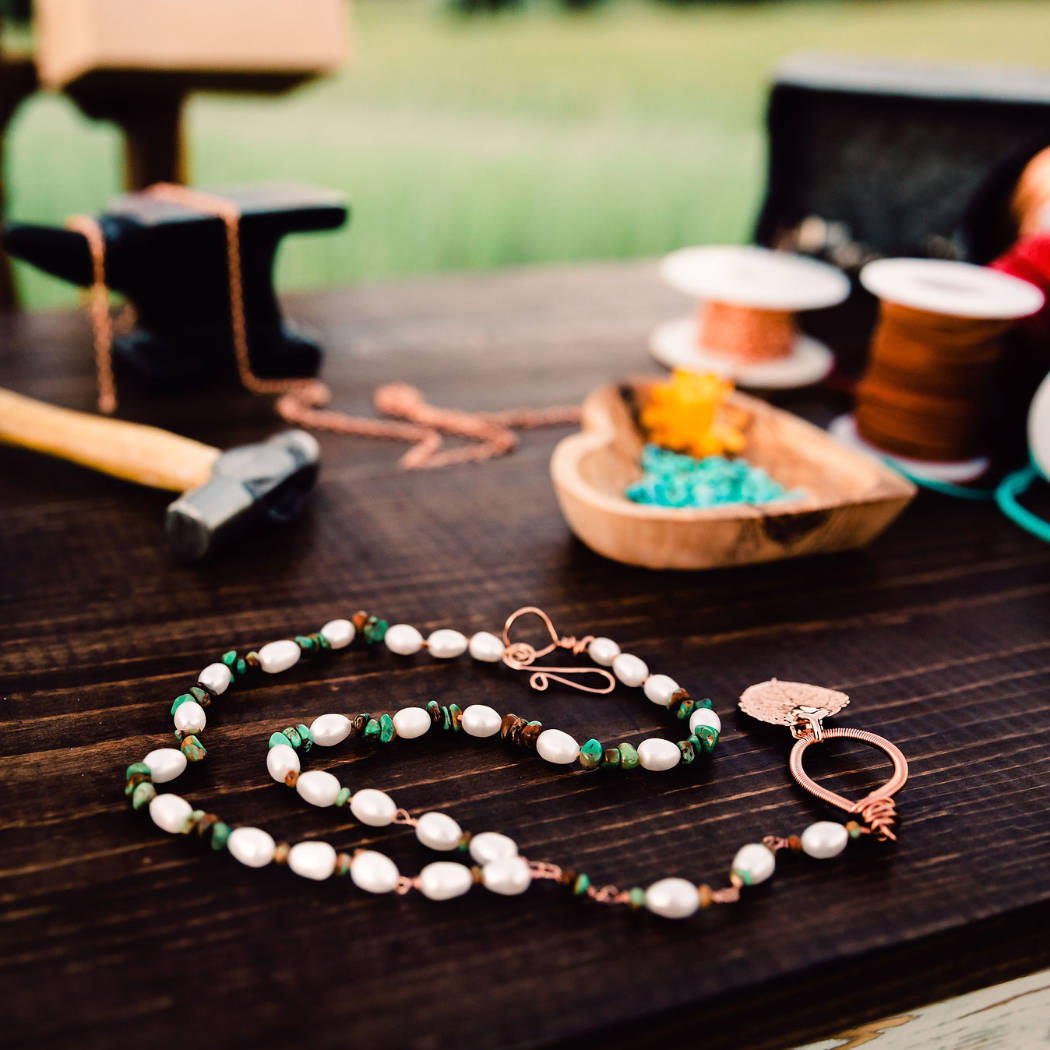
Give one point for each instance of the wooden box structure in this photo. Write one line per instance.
(78, 37)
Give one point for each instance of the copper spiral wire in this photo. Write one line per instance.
(302, 401)
(744, 333)
(926, 391)
(879, 814)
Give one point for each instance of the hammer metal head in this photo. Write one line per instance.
(249, 483)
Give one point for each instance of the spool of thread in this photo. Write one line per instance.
(1010, 490)
(930, 385)
(1030, 203)
(745, 326)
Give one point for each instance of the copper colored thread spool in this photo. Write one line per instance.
(1030, 204)
(745, 333)
(925, 394)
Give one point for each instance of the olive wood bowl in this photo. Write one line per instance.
(848, 498)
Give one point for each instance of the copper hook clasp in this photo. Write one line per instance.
(877, 809)
(520, 656)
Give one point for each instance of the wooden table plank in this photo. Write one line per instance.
(107, 929)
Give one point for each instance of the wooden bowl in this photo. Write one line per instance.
(849, 497)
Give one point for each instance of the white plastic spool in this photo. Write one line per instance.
(959, 290)
(1039, 428)
(760, 279)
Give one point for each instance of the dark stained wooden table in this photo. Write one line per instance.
(114, 934)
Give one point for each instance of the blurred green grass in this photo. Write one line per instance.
(530, 136)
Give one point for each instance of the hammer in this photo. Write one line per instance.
(222, 492)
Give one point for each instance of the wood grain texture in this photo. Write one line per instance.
(938, 632)
(1005, 1016)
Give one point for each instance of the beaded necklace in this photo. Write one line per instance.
(497, 864)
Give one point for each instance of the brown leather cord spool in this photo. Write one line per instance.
(928, 392)
(746, 333)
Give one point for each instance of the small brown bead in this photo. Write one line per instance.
(514, 736)
(678, 697)
(359, 619)
(342, 863)
(706, 899)
(529, 735)
(794, 843)
(280, 854)
(568, 876)
(475, 871)
(357, 726)
(204, 825)
(252, 659)
(506, 725)
(291, 777)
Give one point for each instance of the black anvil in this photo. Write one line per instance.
(171, 263)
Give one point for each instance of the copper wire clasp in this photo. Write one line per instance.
(520, 656)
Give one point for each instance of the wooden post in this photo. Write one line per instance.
(154, 141)
(17, 82)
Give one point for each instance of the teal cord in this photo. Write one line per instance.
(1006, 496)
(945, 488)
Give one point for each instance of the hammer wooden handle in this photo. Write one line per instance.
(139, 453)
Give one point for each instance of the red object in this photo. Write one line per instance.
(1029, 259)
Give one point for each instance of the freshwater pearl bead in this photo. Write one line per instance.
(659, 687)
(374, 872)
(372, 807)
(338, 633)
(411, 722)
(509, 876)
(630, 669)
(215, 678)
(672, 898)
(603, 651)
(490, 846)
(275, 657)
(190, 717)
(253, 847)
(658, 754)
(446, 644)
(318, 787)
(557, 747)
(280, 761)
(165, 764)
(170, 812)
(444, 880)
(486, 647)
(704, 716)
(824, 839)
(754, 863)
(312, 860)
(329, 730)
(438, 831)
(480, 720)
(403, 639)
